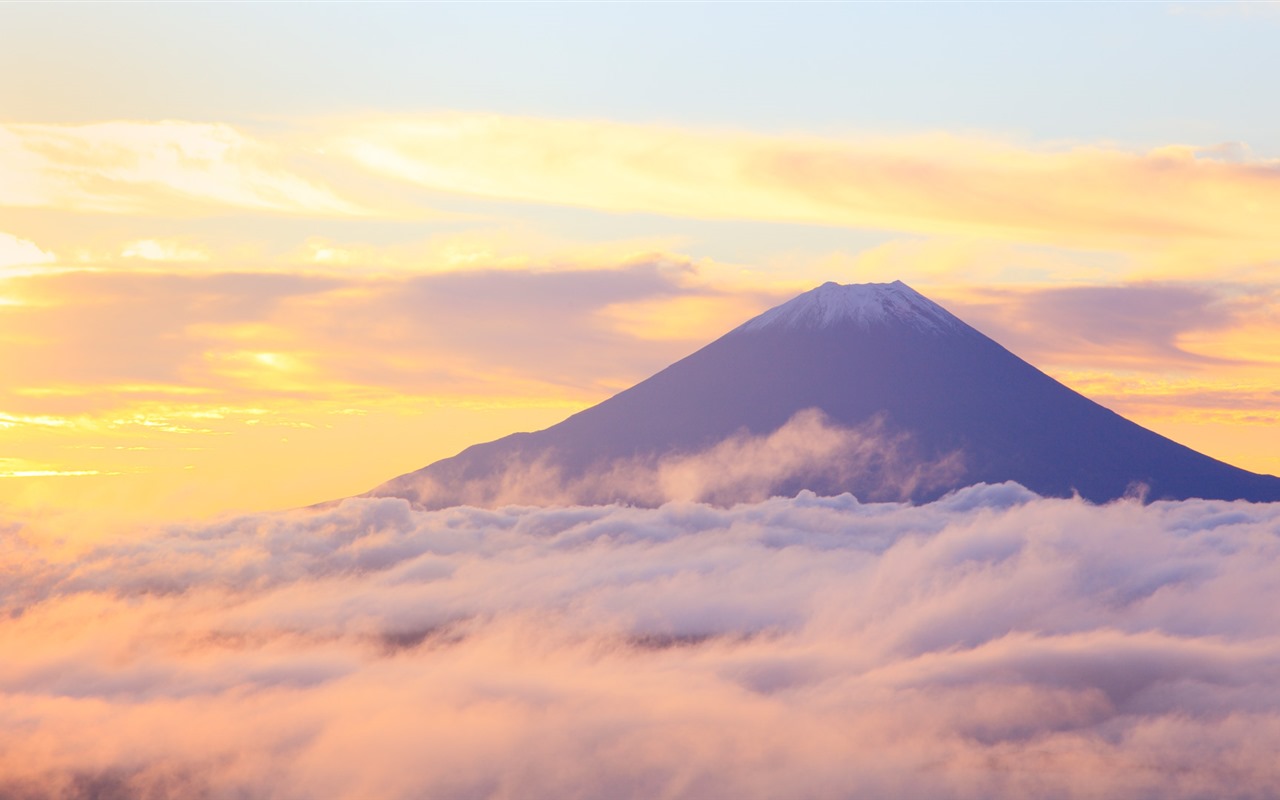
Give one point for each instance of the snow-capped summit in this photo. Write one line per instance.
(863, 305)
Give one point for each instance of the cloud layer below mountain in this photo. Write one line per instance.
(992, 644)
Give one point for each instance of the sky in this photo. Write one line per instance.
(256, 256)
(259, 256)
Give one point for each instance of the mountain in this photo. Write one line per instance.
(868, 388)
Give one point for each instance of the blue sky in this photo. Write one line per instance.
(1134, 73)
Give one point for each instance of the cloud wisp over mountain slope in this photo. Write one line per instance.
(874, 388)
(991, 644)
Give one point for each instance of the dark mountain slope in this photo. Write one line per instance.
(879, 358)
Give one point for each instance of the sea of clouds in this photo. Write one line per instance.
(993, 644)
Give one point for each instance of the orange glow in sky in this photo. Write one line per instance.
(257, 257)
(204, 311)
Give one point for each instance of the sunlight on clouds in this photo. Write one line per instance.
(273, 372)
(1091, 206)
(74, 391)
(441, 253)
(1195, 362)
(162, 168)
(169, 378)
(1214, 211)
(512, 246)
(1252, 339)
(1150, 326)
(16, 252)
(15, 468)
(147, 459)
(323, 336)
(1230, 414)
(1079, 197)
(322, 252)
(1231, 397)
(14, 420)
(158, 327)
(163, 250)
(169, 382)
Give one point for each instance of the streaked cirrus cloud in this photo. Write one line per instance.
(157, 168)
(1161, 201)
(1076, 195)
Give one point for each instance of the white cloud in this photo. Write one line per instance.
(167, 168)
(992, 644)
(808, 448)
(17, 253)
(163, 250)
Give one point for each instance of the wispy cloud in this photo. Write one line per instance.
(1144, 326)
(155, 270)
(195, 366)
(471, 332)
(807, 449)
(173, 377)
(156, 168)
(18, 256)
(163, 250)
(1086, 196)
(1078, 196)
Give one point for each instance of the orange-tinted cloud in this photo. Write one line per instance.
(265, 324)
(1076, 196)
(992, 644)
(1193, 361)
(168, 380)
(269, 334)
(20, 255)
(149, 387)
(1175, 203)
(1142, 326)
(159, 168)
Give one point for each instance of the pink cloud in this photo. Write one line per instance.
(991, 644)
(741, 466)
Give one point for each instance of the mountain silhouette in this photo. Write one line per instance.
(867, 388)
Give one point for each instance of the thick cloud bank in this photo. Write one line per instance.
(990, 645)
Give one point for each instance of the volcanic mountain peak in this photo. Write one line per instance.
(864, 305)
(870, 389)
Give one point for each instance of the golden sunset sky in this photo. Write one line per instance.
(261, 256)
